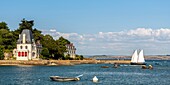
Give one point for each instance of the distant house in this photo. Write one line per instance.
(71, 50)
(27, 49)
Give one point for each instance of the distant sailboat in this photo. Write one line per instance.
(138, 59)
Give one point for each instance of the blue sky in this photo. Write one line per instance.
(87, 22)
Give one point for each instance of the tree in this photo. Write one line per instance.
(1, 54)
(3, 25)
(6, 38)
(45, 53)
(26, 24)
(61, 46)
(79, 57)
(49, 43)
(37, 34)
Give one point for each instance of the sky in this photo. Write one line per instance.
(97, 27)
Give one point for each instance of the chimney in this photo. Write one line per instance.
(23, 40)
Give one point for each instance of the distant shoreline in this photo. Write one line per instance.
(153, 57)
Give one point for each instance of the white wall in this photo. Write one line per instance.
(28, 50)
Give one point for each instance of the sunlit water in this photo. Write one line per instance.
(123, 75)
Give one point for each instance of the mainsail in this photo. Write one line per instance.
(134, 57)
(141, 57)
(138, 58)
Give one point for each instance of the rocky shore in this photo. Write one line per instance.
(61, 62)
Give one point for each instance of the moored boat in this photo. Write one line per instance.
(58, 78)
(145, 67)
(104, 66)
(115, 65)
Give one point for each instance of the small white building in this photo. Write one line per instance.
(27, 49)
(71, 50)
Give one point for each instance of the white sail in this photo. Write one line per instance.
(141, 57)
(134, 57)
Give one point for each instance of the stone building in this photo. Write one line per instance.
(71, 50)
(27, 49)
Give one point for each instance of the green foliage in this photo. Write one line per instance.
(6, 39)
(37, 34)
(23, 25)
(67, 57)
(26, 25)
(52, 49)
(3, 25)
(79, 57)
(61, 47)
(48, 42)
(1, 54)
(45, 53)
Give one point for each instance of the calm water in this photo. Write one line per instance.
(124, 75)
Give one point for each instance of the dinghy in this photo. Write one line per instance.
(138, 59)
(58, 78)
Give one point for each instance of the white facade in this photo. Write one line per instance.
(71, 50)
(26, 47)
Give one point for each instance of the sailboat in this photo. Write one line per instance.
(138, 59)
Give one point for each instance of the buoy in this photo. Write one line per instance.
(95, 79)
(150, 67)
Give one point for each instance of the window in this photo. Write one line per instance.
(25, 53)
(20, 47)
(19, 54)
(33, 54)
(26, 47)
(22, 53)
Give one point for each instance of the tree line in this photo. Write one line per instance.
(52, 49)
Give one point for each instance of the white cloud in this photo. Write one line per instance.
(52, 30)
(119, 42)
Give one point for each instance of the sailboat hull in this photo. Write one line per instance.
(138, 63)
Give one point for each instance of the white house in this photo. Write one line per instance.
(27, 49)
(71, 50)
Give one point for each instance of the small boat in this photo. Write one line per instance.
(150, 67)
(104, 66)
(145, 67)
(58, 78)
(138, 59)
(115, 65)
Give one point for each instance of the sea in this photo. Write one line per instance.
(123, 75)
